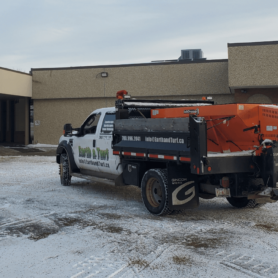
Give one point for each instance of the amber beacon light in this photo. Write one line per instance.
(120, 94)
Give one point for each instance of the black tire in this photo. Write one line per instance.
(154, 188)
(65, 176)
(243, 202)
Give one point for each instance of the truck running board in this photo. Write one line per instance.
(95, 179)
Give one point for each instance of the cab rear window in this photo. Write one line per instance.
(108, 123)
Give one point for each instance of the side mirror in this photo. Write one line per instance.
(67, 129)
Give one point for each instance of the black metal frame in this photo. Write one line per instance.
(122, 103)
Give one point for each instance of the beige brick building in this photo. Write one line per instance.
(253, 71)
(15, 95)
(68, 95)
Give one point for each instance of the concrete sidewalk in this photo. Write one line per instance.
(21, 150)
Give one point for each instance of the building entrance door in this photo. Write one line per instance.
(3, 120)
(8, 123)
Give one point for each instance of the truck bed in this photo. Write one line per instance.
(172, 139)
(150, 137)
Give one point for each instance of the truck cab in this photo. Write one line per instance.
(90, 146)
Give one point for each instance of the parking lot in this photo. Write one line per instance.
(95, 230)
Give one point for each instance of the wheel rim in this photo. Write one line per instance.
(154, 192)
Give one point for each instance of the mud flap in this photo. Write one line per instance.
(183, 190)
(270, 169)
(119, 181)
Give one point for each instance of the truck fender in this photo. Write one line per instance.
(65, 147)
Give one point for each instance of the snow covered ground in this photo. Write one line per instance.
(96, 230)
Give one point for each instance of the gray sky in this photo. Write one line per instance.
(60, 33)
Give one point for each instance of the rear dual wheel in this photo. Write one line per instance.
(154, 187)
(243, 202)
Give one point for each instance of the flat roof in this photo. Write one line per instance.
(17, 71)
(252, 43)
(134, 65)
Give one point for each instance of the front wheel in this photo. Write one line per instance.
(243, 202)
(154, 187)
(65, 176)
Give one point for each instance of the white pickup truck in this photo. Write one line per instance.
(166, 157)
(89, 149)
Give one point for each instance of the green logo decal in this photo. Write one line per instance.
(97, 153)
(86, 152)
(102, 154)
(94, 154)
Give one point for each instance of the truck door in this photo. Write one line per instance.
(108, 162)
(84, 144)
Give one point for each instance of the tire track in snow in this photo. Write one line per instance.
(249, 265)
(25, 220)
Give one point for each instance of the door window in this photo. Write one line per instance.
(91, 124)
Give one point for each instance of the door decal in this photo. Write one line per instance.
(98, 154)
(102, 154)
(86, 152)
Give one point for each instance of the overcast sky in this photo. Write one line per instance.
(60, 33)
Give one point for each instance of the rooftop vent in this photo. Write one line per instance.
(191, 55)
(186, 55)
